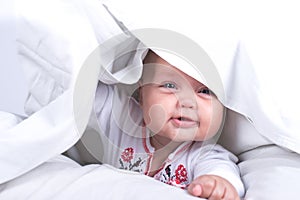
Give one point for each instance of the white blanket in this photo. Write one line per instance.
(61, 178)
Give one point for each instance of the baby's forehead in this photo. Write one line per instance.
(156, 67)
(158, 72)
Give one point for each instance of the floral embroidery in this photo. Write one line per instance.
(179, 179)
(127, 154)
(128, 162)
(181, 174)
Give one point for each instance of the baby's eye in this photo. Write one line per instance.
(169, 85)
(204, 90)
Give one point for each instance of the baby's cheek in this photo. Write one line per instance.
(216, 119)
(155, 118)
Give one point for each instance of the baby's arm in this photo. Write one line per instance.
(213, 187)
(215, 173)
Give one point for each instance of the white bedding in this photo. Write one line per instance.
(55, 38)
(62, 178)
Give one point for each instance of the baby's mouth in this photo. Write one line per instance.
(184, 119)
(184, 122)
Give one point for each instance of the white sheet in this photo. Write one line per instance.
(61, 178)
(56, 122)
(12, 82)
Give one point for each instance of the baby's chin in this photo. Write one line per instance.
(185, 135)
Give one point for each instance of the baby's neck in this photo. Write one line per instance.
(163, 144)
(163, 148)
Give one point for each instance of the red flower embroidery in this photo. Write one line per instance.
(127, 154)
(181, 174)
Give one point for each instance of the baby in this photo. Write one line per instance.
(175, 115)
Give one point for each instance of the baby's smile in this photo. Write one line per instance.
(184, 122)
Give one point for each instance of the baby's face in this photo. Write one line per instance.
(175, 105)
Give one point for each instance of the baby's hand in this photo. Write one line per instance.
(213, 188)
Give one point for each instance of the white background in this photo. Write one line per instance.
(13, 88)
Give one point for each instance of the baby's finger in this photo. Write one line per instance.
(230, 196)
(219, 192)
(195, 190)
(202, 186)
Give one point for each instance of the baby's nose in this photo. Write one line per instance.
(188, 102)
